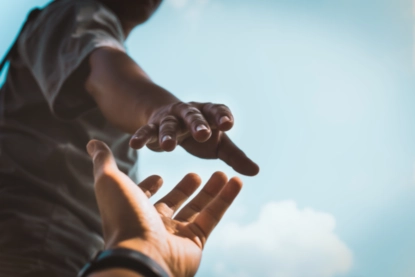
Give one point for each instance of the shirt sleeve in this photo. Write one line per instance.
(56, 44)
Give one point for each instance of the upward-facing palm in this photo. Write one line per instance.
(129, 220)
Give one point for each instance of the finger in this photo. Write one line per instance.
(194, 121)
(151, 185)
(234, 157)
(219, 115)
(102, 158)
(203, 198)
(169, 126)
(145, 135)
(210, 216)
(170, 203)
(124, 208)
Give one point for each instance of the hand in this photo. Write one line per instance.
(199, 128)
(130, 221)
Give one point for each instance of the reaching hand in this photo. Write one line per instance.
(199, 128)
(130, 221)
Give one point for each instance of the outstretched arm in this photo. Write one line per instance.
(131, 101)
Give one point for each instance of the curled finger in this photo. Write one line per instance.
(169, 127)
(145, 135)
(218, 115)
(194, 121)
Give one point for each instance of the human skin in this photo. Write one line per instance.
(131, 101)
(173, 238)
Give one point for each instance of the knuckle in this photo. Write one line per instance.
(146, 130)
(207, 106)
(168, 120)
(194, 207)
(178, 106)
(193, 103)
(216, 108)
(212, 213)
(222, 107)
(192, 113)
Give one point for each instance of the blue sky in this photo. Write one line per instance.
(322, 93)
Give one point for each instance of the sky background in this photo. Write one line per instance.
(323, 97)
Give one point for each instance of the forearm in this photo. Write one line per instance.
(122, 90)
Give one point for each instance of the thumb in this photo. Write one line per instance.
(102, 158)
(124, 208)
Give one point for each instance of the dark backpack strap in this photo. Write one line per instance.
(32, 15)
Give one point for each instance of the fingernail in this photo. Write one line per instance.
(201, 127)
(90, 148)
(224, 119)
(166, 138)
(136, 137)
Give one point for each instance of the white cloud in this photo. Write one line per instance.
(178, 3)
(284, 241)
(192, 9)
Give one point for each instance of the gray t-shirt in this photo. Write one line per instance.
(46, 183)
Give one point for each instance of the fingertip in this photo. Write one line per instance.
(168, 144)
(202, 135)
(201, 127)
(225, 123)
(236, 183)
(193, 178)
(103, 161)
(220, 176)
(151, 185)
(254, 170)
(232, 189)
(94, 146)
(90, 147)
(248, 169)
(136, 143)
(155, 179)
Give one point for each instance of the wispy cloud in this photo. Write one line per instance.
(192, 9)
(284, 241)
(178, 3)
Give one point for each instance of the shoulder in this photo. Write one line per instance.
(73, 19)
(75, 13)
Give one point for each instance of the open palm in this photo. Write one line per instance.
(175, 239)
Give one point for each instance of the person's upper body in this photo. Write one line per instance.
(48, 117)
(69, 81)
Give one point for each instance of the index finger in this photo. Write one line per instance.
(124, 208)
(236, 158)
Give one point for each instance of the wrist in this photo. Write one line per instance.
(146, 248)
(124, 262)
(160, 108)
(156, 99)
